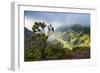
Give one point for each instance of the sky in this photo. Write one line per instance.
(57, 19)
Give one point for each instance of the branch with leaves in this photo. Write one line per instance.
(39, 27)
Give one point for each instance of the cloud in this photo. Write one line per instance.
(57, 19)
(28, 22)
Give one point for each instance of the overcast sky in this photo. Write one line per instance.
(57, 19)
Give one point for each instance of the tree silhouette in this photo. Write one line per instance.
(39, 28)
(41, 35)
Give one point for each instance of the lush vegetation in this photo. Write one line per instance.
(72, 42)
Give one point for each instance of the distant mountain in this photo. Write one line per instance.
(27, 38)
(80, 28)
(27, 32)
(71, 36)
(74, 28)
(62, 29)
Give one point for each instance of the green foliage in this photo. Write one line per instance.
(33, 54)
(66, 45)
(53, 52)
(56, 51)
(81, 48)
(39, 27)
(37, 42)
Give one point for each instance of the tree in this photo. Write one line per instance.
(41, 35)
(39, 28)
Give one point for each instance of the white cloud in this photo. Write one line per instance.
(69, 20)
(56, 24)
(28, 22)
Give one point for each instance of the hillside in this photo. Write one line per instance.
(70, 42)
(74, 35)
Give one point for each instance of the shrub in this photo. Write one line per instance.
(81, 48)
(33, 54)
(53, 52)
